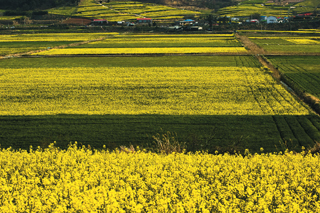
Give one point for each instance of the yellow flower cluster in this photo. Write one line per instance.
(303, 41)
(10, 17)
(145, 90)
(145, 50)
(85, 180)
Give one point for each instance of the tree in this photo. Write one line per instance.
(315, 4)
(210, 20)
(255, 16)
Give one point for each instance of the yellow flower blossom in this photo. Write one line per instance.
(84, 180)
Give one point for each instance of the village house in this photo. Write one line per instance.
(144, 21)
(99, 22)
(271, 20)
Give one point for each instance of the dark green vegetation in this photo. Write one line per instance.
(304, 71)
(176, 61)
(7, 48)
(24, 5)
(211, 133)
(231, 42)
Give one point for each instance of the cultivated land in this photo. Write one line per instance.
(210, 101)
(213, 96)
(124, 11)
(151, 44)
(23, 43)
(304, 71)
(299, 45)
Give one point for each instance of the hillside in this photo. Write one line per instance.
(211, 4)
(24, 5)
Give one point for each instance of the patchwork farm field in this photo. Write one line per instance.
(145, 41)
(288, 45)
(211, 102)
(22, 43)
(150, 44)
(214, 104)
(304, 71)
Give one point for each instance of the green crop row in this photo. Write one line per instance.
(303, 70)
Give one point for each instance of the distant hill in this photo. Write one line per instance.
(24, 5)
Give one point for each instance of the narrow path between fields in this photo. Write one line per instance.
(257, 51)
(309, 99)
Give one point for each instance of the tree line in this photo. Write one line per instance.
(25, 5)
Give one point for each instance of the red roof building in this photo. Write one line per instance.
(99, 21)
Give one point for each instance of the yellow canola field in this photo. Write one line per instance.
(145, 50)
(80, 180)
(303, 41)
(54, 37)
(144, 90)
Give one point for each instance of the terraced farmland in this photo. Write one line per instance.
(124, 11)
(251, 8)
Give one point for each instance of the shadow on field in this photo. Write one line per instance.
(199, 132)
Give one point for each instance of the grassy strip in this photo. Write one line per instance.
(8, 48)
(164, 61)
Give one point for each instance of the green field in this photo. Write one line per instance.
(211, 102)
(8, 48)
(285, 44)
(23, 43)
(129, 41)
(304, 71)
